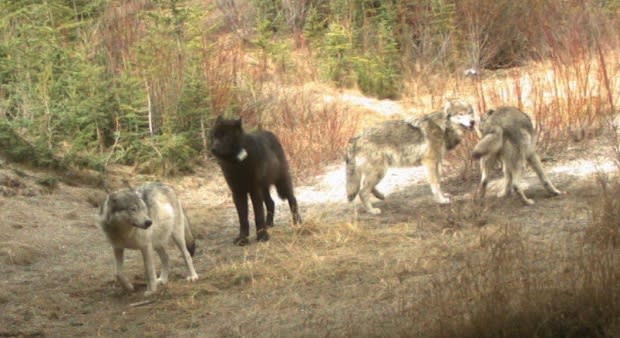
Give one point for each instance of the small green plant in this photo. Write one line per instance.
(337, 52)
(164, 155)
(18, 149)
(49, 182)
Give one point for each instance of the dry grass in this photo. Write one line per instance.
(14, 253)
(605, 228)
(429, 277)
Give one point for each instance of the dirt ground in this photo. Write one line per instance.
(330, 276)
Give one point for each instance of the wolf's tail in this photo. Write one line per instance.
(190, 242)
(353, 175)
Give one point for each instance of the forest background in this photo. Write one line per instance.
(91, 83)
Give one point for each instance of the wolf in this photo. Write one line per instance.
(508, 136)
(251, 164)
(405, 143)
(144, 219)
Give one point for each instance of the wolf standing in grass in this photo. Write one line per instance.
(251, 164)
(405, 143)
(508, 136)
(144, 219)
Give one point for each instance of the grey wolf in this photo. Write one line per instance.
(251, 164)
(405, 143)
(144, 219)
(507, 135)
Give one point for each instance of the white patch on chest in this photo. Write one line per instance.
(242, 155)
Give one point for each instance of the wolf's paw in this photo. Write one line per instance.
(262, 236)
(528, 201)
(443, 199)
(375, 211)
(557, 192)
(149, 293)
(192, 278)
(241, 241)
(125, 284)
(161, 281)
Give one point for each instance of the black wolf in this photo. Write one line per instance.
(251, 164)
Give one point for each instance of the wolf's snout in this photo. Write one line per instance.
(476, 155)
(147, 223)
(215, 145)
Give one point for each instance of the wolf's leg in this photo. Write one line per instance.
(432, 173)
(292, 204)
(270, 207)
(149, 268)
(118, 270)
(369, 181)
(534, 161)
(516, 180)
(508, 170)
(285, 190)
(241, 204)
(486, 165)
(377, 193)
(178, 237)
(163, 256)
(259, 215)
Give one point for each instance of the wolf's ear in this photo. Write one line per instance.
(107, 207)
(219, 119)
(111, 201)
(447, 107)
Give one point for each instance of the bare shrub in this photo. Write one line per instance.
(605, 227)
(568, 101)
(238, 16)
(507, 289)
(312, 132)
(121, 29)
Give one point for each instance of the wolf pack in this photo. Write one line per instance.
(147, 217)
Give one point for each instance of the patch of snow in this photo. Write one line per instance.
(383, 107)
(583, 167)
(331, 185)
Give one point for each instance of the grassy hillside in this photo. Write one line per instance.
(89, 83)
